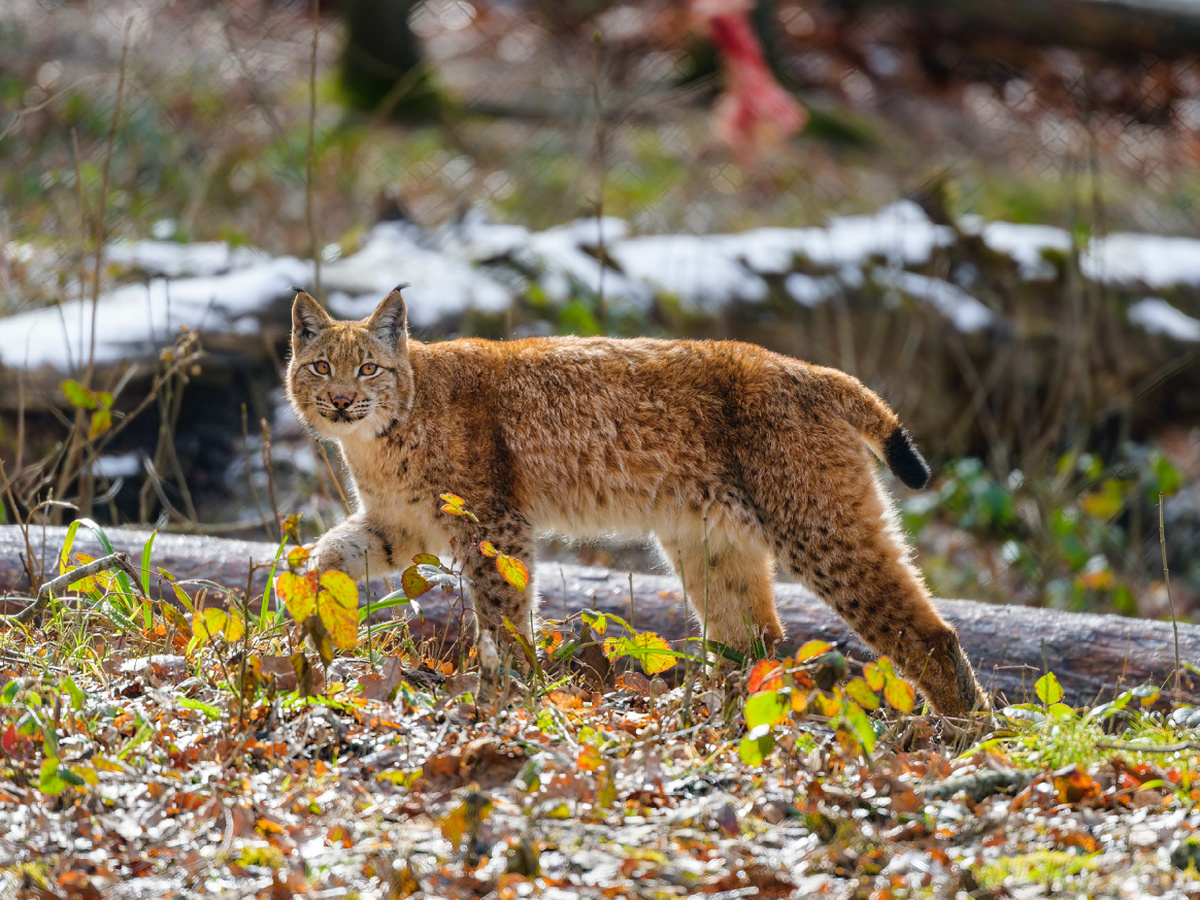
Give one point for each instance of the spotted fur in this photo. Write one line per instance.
(758, 457)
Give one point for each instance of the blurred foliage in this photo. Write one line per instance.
(1083, 538)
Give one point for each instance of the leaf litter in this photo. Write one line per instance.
(239, 764)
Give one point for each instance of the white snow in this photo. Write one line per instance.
(559, 253)
(901, 233)
(1158, 316)
(124, 465)
(1027, 245)
(475, 264)
(174, 260)
(703, 272)
(809, 291)
(1142, 259)
(137, 319)
(442, 286)
(966, 313)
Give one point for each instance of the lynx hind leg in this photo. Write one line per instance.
(738, 607)
(851, 555)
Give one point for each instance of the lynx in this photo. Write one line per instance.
(755, 456)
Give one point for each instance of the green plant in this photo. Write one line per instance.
(780, 692)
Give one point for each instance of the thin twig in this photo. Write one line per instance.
(113, 560)
(313, 242)
(266, 456)
(250, 472)
(30, 568)
(49, 101)
(337, 484)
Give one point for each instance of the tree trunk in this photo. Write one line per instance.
(383, 67)
(1093, 656)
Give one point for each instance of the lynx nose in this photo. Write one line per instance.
(340, 401)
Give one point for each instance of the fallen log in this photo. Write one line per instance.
(1093, 656)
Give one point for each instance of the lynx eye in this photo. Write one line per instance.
(368, 369)
(321, 367)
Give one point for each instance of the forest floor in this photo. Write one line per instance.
(141, 757)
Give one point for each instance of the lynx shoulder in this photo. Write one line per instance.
(760, 458)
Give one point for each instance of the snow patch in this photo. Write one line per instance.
(442, 286)
(1158, 316)
(705, 273)
(137, 319)
(966, 313)
(124, 465)
(173, 260)
(1146, 259)
(1027, 245)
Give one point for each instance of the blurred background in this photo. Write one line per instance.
(986, 210)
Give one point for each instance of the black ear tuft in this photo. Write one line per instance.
(401, 286)
(905, 460)
(297, 290)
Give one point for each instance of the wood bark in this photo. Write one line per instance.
(1093, 656)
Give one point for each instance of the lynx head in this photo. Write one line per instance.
(349, 379)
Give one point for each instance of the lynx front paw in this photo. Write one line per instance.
(334, 553)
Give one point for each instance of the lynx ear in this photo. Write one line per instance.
(308, 319)
(389, 322)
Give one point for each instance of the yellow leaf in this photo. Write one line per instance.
(337, 605)
(874, 676)
(900, 694)
(298, 593)
(812, 650)
(487, 548)
(101, 423)
(861, 692)
(457, 506)
(298, 556)
(209, 623)
(513, 570)
(90, 583)
(648, 648)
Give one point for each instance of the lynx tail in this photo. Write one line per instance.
(905, 460)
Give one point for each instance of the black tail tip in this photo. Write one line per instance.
(905, 460)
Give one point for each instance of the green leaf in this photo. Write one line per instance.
(210, 711)
(860, 723)
(76, 695)
(146, 548)
(1048, 689)
(874, 676)
(768, 708)
(757, 745)
(50, 780)
(78, 395)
